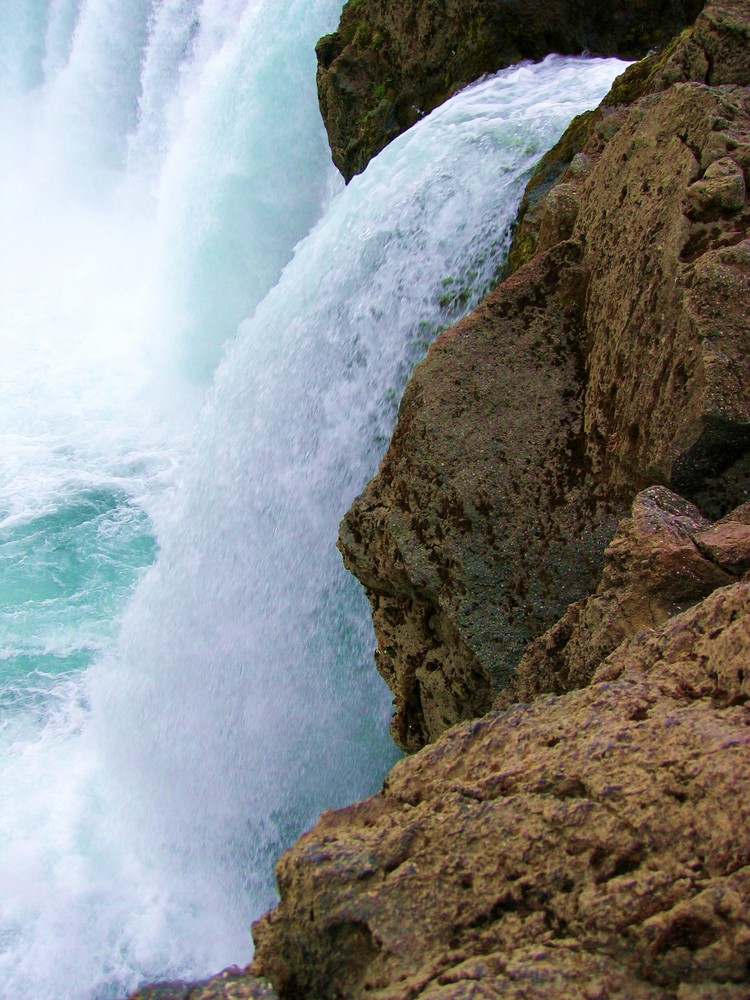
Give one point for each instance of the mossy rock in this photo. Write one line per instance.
(416, 54)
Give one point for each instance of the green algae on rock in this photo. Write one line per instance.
(391, 61)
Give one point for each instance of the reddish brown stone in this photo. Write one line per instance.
(596, 844)
(611, 362)
(655, 567)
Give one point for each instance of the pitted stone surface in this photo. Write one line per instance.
(614, 360)
(596, 844)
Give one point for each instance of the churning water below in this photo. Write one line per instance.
(185, 668)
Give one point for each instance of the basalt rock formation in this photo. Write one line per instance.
(616, 358)
(392, 61)
(591, 845)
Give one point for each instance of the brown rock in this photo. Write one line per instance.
(722, 189)
(610, 362)
(392, 61)
(231, 984)
(667, 308)
(595, 845)
(722, 32)
(661, 561)
(477, 532)
(728, 545)
(714, 51)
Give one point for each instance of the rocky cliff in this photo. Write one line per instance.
(391, 61)
(616, 358)
(593, 845)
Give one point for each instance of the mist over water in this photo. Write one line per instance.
(192, 392)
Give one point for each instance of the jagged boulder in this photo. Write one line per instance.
(392, 61)
(665, 557)
(592, 845)
(617, 358)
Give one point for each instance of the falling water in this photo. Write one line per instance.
(190, 398)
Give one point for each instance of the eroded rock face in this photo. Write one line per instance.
(594, 845)
(713, 51)
(667, 315)
(392, 61)
(616, 359)
(483, 484)
(665, 557)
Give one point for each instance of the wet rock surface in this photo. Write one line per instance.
(483, 484)
(231, 984)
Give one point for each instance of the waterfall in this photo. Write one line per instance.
(204, 341)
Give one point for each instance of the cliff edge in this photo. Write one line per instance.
(614, 359)
(558, 541)
(594, 845)
(392, 61)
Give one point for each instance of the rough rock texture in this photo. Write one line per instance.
(231, 984)
(392, 61)
(447, 540)
(667, 312)
(615, 359)
(664, 558)
(727, 543)
(714, 51)
(595, 845)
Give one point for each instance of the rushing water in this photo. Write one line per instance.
(189, 399)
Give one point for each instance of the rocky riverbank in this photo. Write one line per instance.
(557, 553)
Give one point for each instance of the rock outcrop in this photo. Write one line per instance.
(589, 836)
(483, 484)
(713, 51)
(663, 559)
(231, 984)
(616, 358)
(591, 845)
(392, 61)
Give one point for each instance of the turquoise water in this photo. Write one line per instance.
(65, 576)
(204, 342)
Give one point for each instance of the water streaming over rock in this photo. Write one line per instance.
(165, 731)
